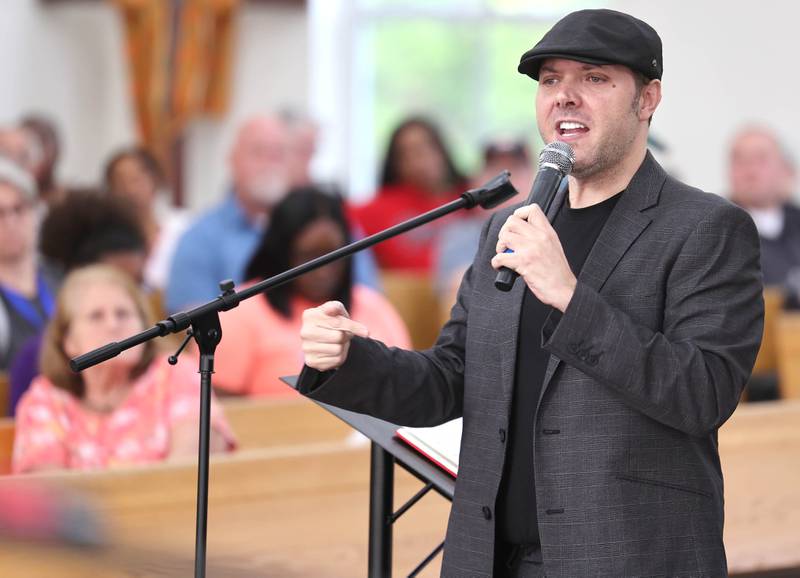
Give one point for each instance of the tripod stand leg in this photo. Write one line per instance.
(207, 332)
(202, 468)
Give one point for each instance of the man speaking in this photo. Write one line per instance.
(592, 391)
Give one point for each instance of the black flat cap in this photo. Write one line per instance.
(598, 37)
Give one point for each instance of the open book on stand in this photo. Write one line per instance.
(439, 444)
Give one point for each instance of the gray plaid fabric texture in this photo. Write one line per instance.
(647, 362)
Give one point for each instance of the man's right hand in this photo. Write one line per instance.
(326, 334)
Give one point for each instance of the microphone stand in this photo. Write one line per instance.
(205, 328)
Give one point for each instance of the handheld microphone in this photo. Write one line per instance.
(555, 162)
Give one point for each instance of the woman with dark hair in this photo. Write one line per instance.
(262, 341)
(418, 175)
(87, 227)
(135, 175)
(416, 154)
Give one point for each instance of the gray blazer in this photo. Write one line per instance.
(647, 362)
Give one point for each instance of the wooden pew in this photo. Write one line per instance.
(414, 298)
(301, 510)
(6, 444)
(260, 423)
(788, 354)
(760, 453)
(5, 394)
(767, 359)
(283, 512)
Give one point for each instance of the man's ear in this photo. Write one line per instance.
(649, 99)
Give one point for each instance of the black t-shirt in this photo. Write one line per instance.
(578, 230)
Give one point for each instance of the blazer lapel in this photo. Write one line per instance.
(623, 227)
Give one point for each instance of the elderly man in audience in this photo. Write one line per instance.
(218, 245)
(132, 409)
(27, 286)
(762, 178)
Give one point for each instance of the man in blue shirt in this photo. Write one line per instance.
(218, 245)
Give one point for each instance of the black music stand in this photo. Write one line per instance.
(386, 451)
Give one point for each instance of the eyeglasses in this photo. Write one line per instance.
(15, 211)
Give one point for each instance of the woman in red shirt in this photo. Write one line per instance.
(418, 175)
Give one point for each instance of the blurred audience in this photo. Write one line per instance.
(27, 284)
(458, 241)
(418, 175)
(262, 335)
(44, 133)
(135, 175)
(220, 243)
(134, 408)
(84, 229)
(762, 179)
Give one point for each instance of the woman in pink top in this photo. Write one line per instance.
(131, 409)
(261, 337)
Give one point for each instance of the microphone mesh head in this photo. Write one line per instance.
(559, 154)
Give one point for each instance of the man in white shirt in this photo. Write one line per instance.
(762, 177)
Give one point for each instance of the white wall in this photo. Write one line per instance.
(726, 63)
(68, 61)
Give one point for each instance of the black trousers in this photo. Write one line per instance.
(518, 561)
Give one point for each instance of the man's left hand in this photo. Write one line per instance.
(537, 256)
